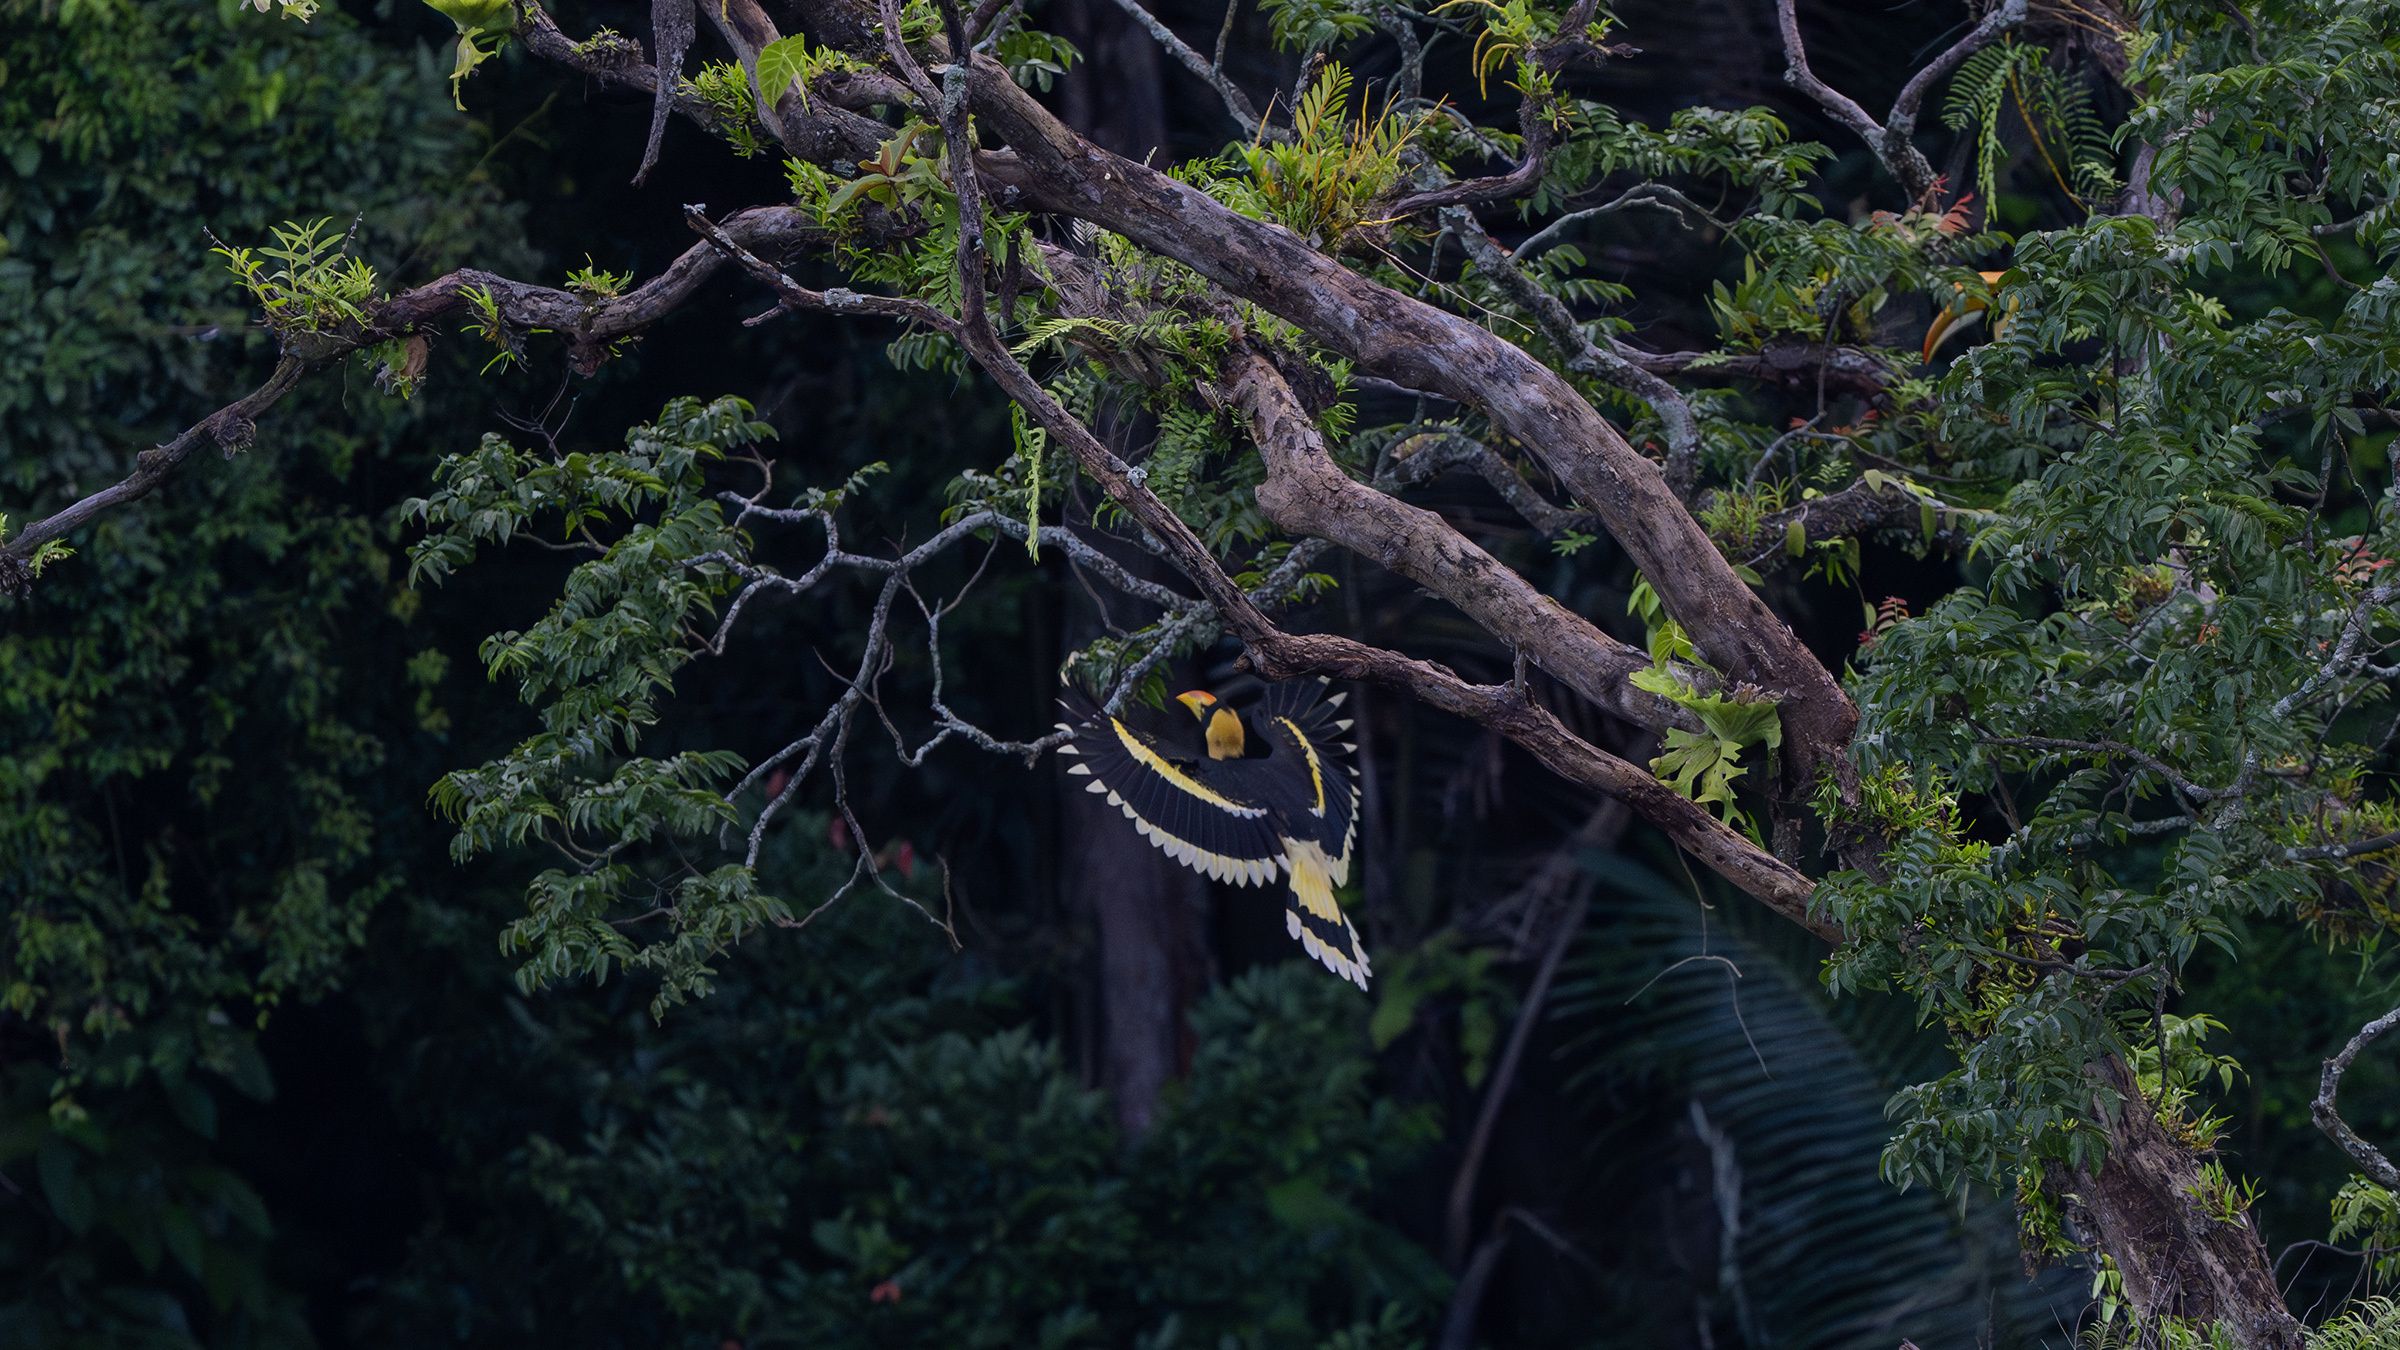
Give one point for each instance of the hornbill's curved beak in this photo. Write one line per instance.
(1965, 313)
(1198, 700)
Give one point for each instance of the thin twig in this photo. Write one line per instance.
(1210, 73)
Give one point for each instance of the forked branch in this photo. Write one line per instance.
(2370, 1159)
(1893, 140)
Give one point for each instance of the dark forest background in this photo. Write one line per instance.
(266, 1078)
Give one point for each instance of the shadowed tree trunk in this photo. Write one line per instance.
(1150, 915)
(1150, 921)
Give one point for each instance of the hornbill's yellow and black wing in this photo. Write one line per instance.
(1209, 826)
(1302, 723)
(1290, 806)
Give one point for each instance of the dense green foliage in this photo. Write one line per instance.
(2174, 632)
(741, 1089)
(188, 795)
(597, 664)
(857, 1146)
(207, 818)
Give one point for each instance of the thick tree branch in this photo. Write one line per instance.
(1307, 494)
(2178, 1258)
(229, 428)
(1503, 709)
(2352, 848)
(1402, 339)
(1792, 365)
(590, 323)
(792, 295)
(1858, 509)
(1305, 491)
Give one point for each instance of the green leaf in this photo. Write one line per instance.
(63, 1185)
(782, 64)
(193, 1106)
(1395, 1012)
(478, 16)
(182, 1234)
(1304, 1204)
(1478, 1033)
(238, 1200)
(247, 1070)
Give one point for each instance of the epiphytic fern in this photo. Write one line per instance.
(1325, 181)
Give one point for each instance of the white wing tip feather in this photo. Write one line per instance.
(1241, 872)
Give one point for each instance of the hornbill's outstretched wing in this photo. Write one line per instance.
(1179, 802)
(1288, 807)
(1298, 718)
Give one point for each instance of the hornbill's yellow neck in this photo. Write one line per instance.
(1224, 734)
(1224, 726)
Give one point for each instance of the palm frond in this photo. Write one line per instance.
(1788, 1093)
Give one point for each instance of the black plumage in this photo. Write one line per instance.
(1279, 799)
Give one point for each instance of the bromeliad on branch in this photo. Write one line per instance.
(1255, 794)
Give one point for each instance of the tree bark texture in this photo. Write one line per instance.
(2177, 1259)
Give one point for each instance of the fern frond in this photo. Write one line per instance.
(2065, 131)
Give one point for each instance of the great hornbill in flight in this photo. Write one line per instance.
(1256, 794)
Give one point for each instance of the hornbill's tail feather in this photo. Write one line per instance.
(1314, 917)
